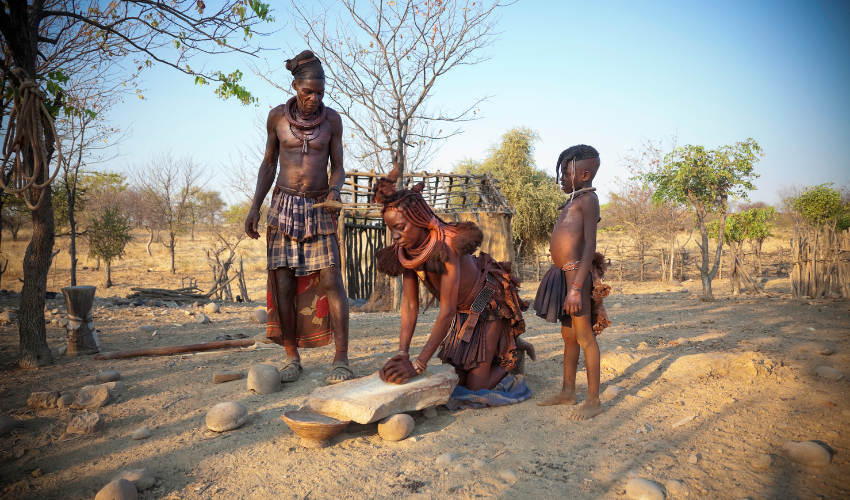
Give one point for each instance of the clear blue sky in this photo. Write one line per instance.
(608, 74)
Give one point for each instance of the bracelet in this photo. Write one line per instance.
(576, 286)
(403, 353)
(420, 366)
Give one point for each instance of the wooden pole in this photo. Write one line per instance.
(175, 349)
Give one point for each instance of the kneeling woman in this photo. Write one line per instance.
(480, 312)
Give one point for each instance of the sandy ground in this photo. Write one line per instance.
(742, 366)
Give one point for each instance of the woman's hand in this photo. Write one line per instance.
(572, 304)
(398, 370)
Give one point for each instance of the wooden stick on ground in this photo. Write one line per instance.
(174, 349)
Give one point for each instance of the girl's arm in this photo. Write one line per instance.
(590, 217)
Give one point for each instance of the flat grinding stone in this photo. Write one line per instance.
(368, 399)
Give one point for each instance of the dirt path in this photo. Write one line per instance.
(742, 367)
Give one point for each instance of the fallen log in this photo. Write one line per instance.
(174, 349)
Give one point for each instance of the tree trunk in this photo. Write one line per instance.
(734, 276)
(757, 254)
(663, 266)
(150, 240)
(14, 230)
(707, 295)
(34, 351)
(107, 275)
(72, 245)
(672, 258)
(171, 251)
(641, 260)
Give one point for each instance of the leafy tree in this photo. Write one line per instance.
(535, 196)
(822, 209)
(108, 237)
(758, 225)
(822, 206)
(704, 180)
(203, 206)
(44, 40)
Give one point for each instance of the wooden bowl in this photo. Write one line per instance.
(315, 429)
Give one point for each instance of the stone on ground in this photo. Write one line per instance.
(396, 427)
(7, 424)
(259, 316)
(479, 464)
(429, 412)
(369, 399)
(642, 489)
(762, 461)
(114, 388)
(829, 373)
(7, 317)
(141, 433)
(508, 475)
(118, 490)
(212, 308)
(222, 377)
(807, 453)
(693, 459)
(674, 487)
(264, 379)
(226, 416)
(91, 396)
(65, 401)
(142, 479)
(43, 400)
(202, 319)
(446, 459)
(87, 423)
(148, 329)
(610, 392)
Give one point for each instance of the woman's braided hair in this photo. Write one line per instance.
(578, 153)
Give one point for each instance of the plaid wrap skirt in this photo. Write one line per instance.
(299, 236)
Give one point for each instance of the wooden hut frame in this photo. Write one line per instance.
(454, 197)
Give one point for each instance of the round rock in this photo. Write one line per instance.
(807, 453)
(142, 479)
(7, 424)
(642, 489)
(141, 433)
(264, 379)
(508, 475)
(202, 319)
(43, 400)
(446, 458)
(762, 461)
(259, 316)
(86, 423)
(674, 487)
(118, 490)
(396, 427)
(108, 376)
(829, 373)
(212, 308)
(429, 412)
(65, 401)
(226, 416)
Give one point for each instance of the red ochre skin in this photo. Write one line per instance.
(304, 172)
(456, 281)
(574, 238)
